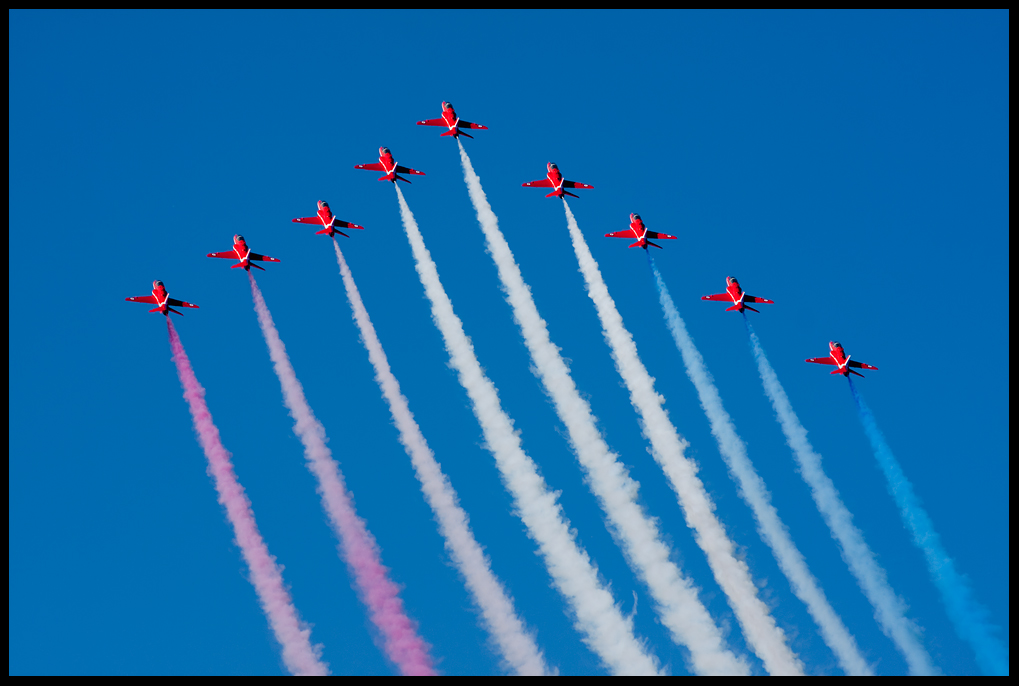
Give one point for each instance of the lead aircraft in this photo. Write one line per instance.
(737, 295)
(451, 122)
(640, 232)
(554, 179)
(326, 218)
(161, 299)
(242, 253)
(388, 165)
(839, 358)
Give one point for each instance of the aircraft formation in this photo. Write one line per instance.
(554, 179)
(415, 659)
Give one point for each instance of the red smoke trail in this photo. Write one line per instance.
(300, 657)
(357, 546)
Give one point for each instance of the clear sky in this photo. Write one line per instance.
(853, 167)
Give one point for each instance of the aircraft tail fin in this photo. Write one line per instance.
(839, 371)
(397, 177)
(752, 309)
(852, 372)
(635, 245)
(571, 194)
(239, 264)
(256, 266)
(735, 307)
(462, 133)
(173, 310)
(656, 245)
(155, 309)
(554, 194)
(324, 231)
(451, 132)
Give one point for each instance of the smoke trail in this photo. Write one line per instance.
(756, 495)
(598, 618)
(969, 617)
(300, 657)
(401, 642)
(889, 609)
(516, 644)
(676, 597)
(765, 638)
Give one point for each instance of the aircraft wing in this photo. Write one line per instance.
(861, 365)
(655, 234)
(543, 183)
(576, 184)
(230, 255)
(309, 220)
(470, 125)
(179, 303)
(261, 258)
(433, 122)
(621, 234)
(345, 225)
(720, 297)
(755, 299)
(407, 170)
(374, 166)
(823, 360)
(150, 299)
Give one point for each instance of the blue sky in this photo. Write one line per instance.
(853, 167)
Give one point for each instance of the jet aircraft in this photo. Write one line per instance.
(554, 179)
(388, 165)
(736, 294)
(242, 253)
(326, 218)
(839, 358)
(640, 232)
(451, 122)
(161, 299)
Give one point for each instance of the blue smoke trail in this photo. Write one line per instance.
(889, 609)
(969, 617)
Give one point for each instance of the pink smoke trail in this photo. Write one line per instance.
(357, 547)
(300, 657)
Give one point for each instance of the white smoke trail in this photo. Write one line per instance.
(378, 592)
(889, 609)
(765, 637)
(598, 618)
(756, 495)
(676, 598)
(515, 642)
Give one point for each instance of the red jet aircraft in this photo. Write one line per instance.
(451, 122)
(839, 358)
(736, 294)
(243, 254)
(640, 232)
(554, 179)
(161, 300)
(388, 165)
(325, 217)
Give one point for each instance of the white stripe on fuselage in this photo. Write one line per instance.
(242, 259)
